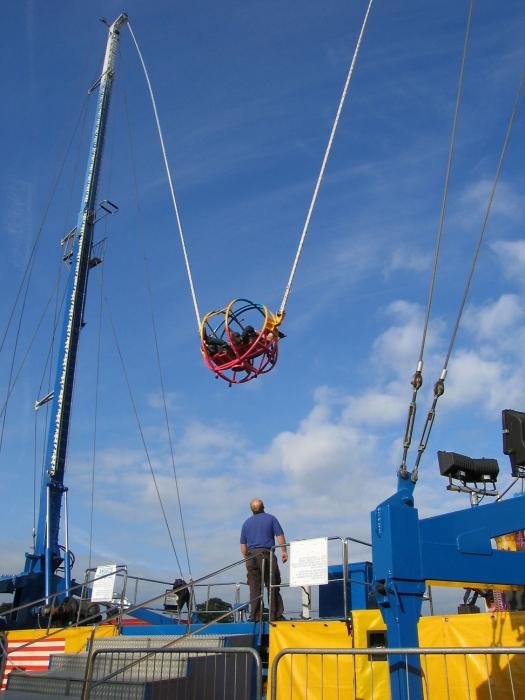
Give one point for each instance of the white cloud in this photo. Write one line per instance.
(396, 349)
(474, 198)
(511, 256)
(489, 373)
(173, 399)
(341, 263)
(493, 320)
(376, 407)
(484, 383)
(345, 450)
(204, 444)
(322, 475)
(328, 460)
(407, 259)
(321, 450)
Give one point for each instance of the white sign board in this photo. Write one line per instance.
(309, 562)
(102, 591)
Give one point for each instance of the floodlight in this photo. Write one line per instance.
(468, 470)
(514, 440)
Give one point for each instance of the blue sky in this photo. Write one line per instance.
(247, 94)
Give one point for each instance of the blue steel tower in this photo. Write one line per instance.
(39, 578)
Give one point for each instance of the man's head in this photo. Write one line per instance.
(256, 506)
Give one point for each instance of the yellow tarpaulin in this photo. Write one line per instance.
(75, 638)
(330, 677)
(480, 677)
(483, 677)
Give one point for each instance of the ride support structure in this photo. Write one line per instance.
(234, 349)
(39, 578)
(455, 547)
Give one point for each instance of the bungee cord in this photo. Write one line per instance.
(317, 187)
(439, 386)
(104, 301)
(170, 181)
(231, 346)
(326, 156)
(417, 379)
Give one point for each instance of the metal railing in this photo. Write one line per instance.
(93, 619)
(55, 599)
(468, 673)
(121, 604)
(344, 553)
(201, 595)
(207, 583)
(118, 602)
(225, 673)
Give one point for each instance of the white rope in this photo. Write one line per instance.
(325, 161)
(172, 189)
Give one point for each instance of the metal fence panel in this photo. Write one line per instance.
(471, 673)
(233, 673)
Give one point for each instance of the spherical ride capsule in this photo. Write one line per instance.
(240, 342)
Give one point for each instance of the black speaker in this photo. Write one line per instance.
(514, 439)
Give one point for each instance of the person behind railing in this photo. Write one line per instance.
(258, 536)
(183, 596)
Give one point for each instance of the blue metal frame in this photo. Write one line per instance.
(453, 547)
(38, 578)
(219, 628)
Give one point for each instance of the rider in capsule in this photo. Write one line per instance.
(249, 335)
(216, 345)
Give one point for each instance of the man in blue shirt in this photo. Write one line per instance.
(258, 536)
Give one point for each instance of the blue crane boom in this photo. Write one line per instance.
(39, 577)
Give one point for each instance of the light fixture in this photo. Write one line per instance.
(469, 475)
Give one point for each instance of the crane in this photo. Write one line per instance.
(40, 579)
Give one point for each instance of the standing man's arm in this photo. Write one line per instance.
(282, 542)
(244, 541)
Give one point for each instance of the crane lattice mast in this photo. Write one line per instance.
(39, 578)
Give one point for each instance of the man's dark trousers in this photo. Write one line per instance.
(256, 561)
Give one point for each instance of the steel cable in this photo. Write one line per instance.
(30, 261)
(439, 386)
(486, 217)
(24, 358)
(141, 431)
(95, 416)
(13, 358)
(417, 379)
